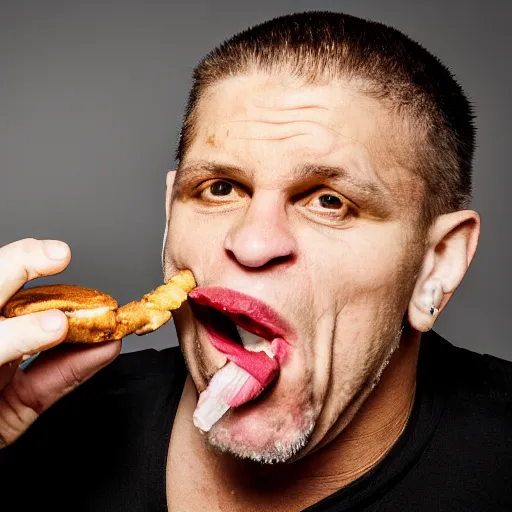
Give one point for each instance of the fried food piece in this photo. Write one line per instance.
(94, 316)
(153, 311)
(91, 313)
(134, 317)
(65, 297)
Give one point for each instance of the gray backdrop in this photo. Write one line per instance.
(91, 96)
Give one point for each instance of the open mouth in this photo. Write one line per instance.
(247, 331)
(251, 335)
(236, 328)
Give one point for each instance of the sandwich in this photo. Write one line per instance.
(94, 316)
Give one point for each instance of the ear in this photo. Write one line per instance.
(452, 242)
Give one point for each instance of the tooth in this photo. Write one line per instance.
(254, 343)
(264, 347)
(248, 338)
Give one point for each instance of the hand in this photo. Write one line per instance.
(24, 395)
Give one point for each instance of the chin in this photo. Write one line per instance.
(264, 433)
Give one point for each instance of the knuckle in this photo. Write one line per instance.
(8, 434)
(23, 396)
(21, 248)
(27, 258)
(23, 244)
(14, 420)
(15, 257)
(29, 244)
(31, 257)
(70, 377)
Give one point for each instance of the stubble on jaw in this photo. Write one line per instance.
(280, 452)
(277, 452)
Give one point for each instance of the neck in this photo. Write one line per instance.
(371, 433)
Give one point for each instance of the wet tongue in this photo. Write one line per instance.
(231, 386)
(258, 364)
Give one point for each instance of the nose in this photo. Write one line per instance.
(262, 238)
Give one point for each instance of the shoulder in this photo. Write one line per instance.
(469, 454)
(475, 430)
(470, 374)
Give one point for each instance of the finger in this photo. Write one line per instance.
(28, 259)
(52, 375)
(7, 371)
(28, 334)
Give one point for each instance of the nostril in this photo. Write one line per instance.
(277, 261)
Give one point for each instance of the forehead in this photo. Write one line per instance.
(272, 124)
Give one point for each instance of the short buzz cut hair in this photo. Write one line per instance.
(318, 46)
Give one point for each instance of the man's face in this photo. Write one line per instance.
(293, 195)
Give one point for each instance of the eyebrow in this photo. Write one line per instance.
(204, 170)
(334, 173)
(371, 191)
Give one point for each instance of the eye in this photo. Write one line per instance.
(220, 192)
(221, 188)
(330, 201)
(334, 203)
(329, 207)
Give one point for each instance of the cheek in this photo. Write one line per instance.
(361, 287)
(363, 262)
(193, 238)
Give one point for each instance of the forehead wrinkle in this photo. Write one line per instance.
(258, 129)
(262, 121)
(286, 114)
(318, 124)
(285, 137)
(285, 109)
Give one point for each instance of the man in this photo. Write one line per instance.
(320, 201)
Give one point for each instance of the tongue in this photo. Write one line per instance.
(231, 386)
(258, 364)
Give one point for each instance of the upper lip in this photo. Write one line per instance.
(247, 312)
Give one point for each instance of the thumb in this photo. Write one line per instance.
(51, 376)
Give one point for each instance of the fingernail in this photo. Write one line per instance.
(56, 250)
(50, 321)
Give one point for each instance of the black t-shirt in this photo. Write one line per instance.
(104, 446)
